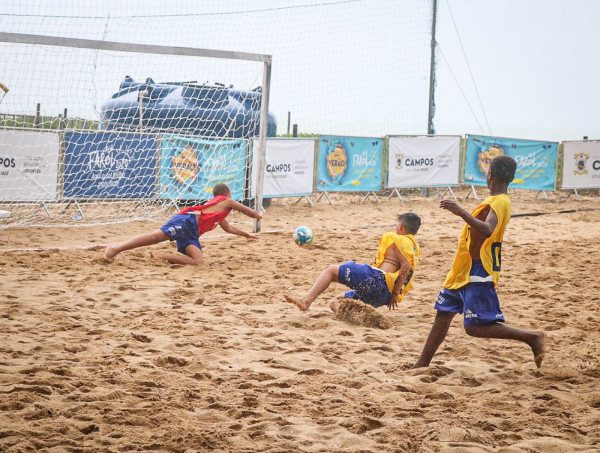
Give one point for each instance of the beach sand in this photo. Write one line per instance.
(142, 355)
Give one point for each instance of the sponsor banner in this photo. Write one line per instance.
(349, 164)
(190, 168)
(289, 167)
(423, 161)
(581, 169)
(536, 161)
(109, 165)
(28, 165)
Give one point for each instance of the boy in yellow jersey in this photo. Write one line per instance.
(386, 282)
(469, 287)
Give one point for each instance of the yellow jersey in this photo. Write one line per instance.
(408, 247)
(490, 252)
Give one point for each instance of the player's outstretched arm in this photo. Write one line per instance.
(485, 227)
(237, 206)
(233, 230)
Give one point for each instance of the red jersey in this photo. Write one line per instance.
(208, 221)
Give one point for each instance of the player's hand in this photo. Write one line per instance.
(260, 215)
(451, 206)
(251, 237)
(393, 303)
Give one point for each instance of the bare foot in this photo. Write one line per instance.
(539, 348)
(418, 365)
(334, 305)
(297, 302)
(110, 253)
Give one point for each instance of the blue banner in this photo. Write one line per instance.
(349, 164)
(536, 161)
(109, 165)
(190, 168)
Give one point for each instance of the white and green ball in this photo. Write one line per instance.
(303, 235)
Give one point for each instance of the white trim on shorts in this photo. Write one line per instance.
(476, 279)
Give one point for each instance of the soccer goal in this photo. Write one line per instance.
(95, 132)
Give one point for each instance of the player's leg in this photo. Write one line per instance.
(484, 319)
(327, 275)
(447, 304)
(436, 336)
(536, 339)
(138, 241)
(193, 256)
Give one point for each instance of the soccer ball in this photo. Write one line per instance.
(303, 235)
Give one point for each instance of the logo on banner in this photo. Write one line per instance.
(580, 161)
(337, 163)
(279, 168)
(185, 166)
(108, 158)
(485, 157)
(398, 160)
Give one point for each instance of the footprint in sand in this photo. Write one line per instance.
(141, 338)
(171, 360)
(363, 425)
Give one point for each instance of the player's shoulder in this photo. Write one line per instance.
(404, 241)
(501, 201)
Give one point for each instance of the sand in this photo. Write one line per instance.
(141, 355)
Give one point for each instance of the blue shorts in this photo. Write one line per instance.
(367, 282)
(477, 300)
(183, 229)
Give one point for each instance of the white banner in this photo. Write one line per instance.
(423, 161)
(289, 167)
(581, 169)
(28, 165)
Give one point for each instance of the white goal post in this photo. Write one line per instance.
(232, 118)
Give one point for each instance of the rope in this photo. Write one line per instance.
(460, 88)
(469, 66)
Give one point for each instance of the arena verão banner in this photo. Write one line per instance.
(536, 161)
(190, 167)
(581, 169)
(28, 165)
(289, 167)
(109, 165)
(423, 161)
(349, 164)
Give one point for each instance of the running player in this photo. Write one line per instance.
(470, 287)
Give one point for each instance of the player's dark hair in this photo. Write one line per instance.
(502, 169)
(221, 189)
(410, 221)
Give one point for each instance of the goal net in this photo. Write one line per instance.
(80, 119)
(147, 128)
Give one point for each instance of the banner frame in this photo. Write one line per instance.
(461, 158)
(57, 194)
(472, 186)
(76, 199)
(299, 195)
(575, 189)
(317, 156)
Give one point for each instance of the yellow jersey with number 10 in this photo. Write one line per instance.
(490, 252)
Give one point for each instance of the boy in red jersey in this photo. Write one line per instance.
(470, 286)
(186, 227)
